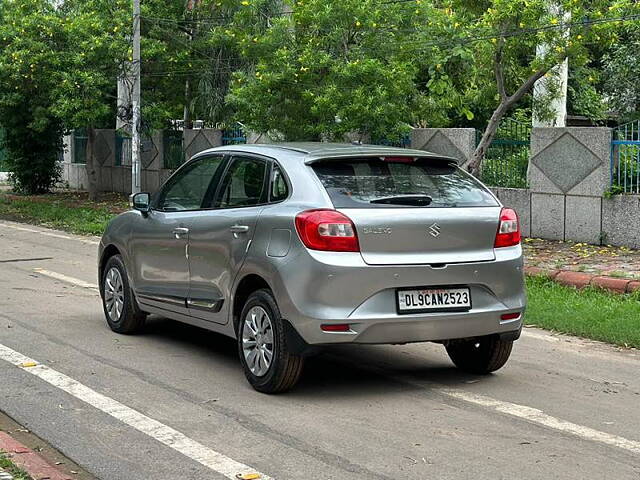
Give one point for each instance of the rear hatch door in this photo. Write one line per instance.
(425, 235)
(412, 210)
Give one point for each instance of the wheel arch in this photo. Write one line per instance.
(246, 286)
(108, 252)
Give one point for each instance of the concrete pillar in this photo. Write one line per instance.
(459, 143)
(569, 173)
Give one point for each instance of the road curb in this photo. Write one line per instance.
(28, 460)
(582, 280)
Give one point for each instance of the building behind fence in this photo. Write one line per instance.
(559, 180)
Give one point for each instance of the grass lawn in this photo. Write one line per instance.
(8, 466)
(70, 211)
(589, 313)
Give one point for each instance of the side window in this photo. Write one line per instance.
(278, 189)
(187, 189)
(243, 184)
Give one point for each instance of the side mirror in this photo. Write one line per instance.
(140, 201)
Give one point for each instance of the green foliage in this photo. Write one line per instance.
(506, 167)
(93, 51)
(190, 56)
(626, 174)
(589, 313)
(325, 70)
(56, 211)
(367, 66)
(7, 465)
(29, 33)
(619, 79)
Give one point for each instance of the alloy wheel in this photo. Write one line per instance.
(257, 341)
(114, 294)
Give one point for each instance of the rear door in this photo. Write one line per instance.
(220, 236)
(413, 210)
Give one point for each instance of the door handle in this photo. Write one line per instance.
(180, 231)
(239, 229)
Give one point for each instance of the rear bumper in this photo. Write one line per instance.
(433, 327)
(324, 288)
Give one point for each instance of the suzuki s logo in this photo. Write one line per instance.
(434, 230)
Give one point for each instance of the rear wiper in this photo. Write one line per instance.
(404, 200)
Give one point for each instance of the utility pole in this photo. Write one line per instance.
(135, 101)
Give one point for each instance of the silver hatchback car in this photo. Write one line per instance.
(288, 247)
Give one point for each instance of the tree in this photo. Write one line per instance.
(618, 78)
(515, 28)
(325, 70)
(93, 52)
(29, 32)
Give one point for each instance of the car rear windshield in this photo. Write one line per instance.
(400, 182)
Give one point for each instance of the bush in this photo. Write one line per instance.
(32, 158)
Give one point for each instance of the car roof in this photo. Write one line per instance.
(312, 151)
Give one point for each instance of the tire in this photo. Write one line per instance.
(261, 330)
(480, 355)
(118, 302)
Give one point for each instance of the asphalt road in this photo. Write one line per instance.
(561, 408)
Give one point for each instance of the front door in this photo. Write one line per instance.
(159, 243)
(219, 238)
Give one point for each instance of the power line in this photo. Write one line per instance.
(509, 34)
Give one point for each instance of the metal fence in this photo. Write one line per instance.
(173, 145)
(507, 158)
(625, 158)
(234, 135)
(402, 142)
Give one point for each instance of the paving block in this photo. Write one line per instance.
(633, 287)
(618, 285)
(29, 460)
(574, 279)
(540, 272)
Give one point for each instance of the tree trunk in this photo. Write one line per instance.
(506, 103)
(92, 165)
(487, 138)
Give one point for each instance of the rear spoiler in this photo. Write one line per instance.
(395, 158)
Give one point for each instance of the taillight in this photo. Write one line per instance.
(327, 230)
(509, 229)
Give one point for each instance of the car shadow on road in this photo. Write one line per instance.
(364, 369)
(337, 371)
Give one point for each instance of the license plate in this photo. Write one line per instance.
(433, 299)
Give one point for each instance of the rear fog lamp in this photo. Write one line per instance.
(338, 327)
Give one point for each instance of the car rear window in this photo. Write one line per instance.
(400, 182)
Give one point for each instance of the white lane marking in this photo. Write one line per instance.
(158, 431)
(538, 416)
(49, 234)
(65, 278)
